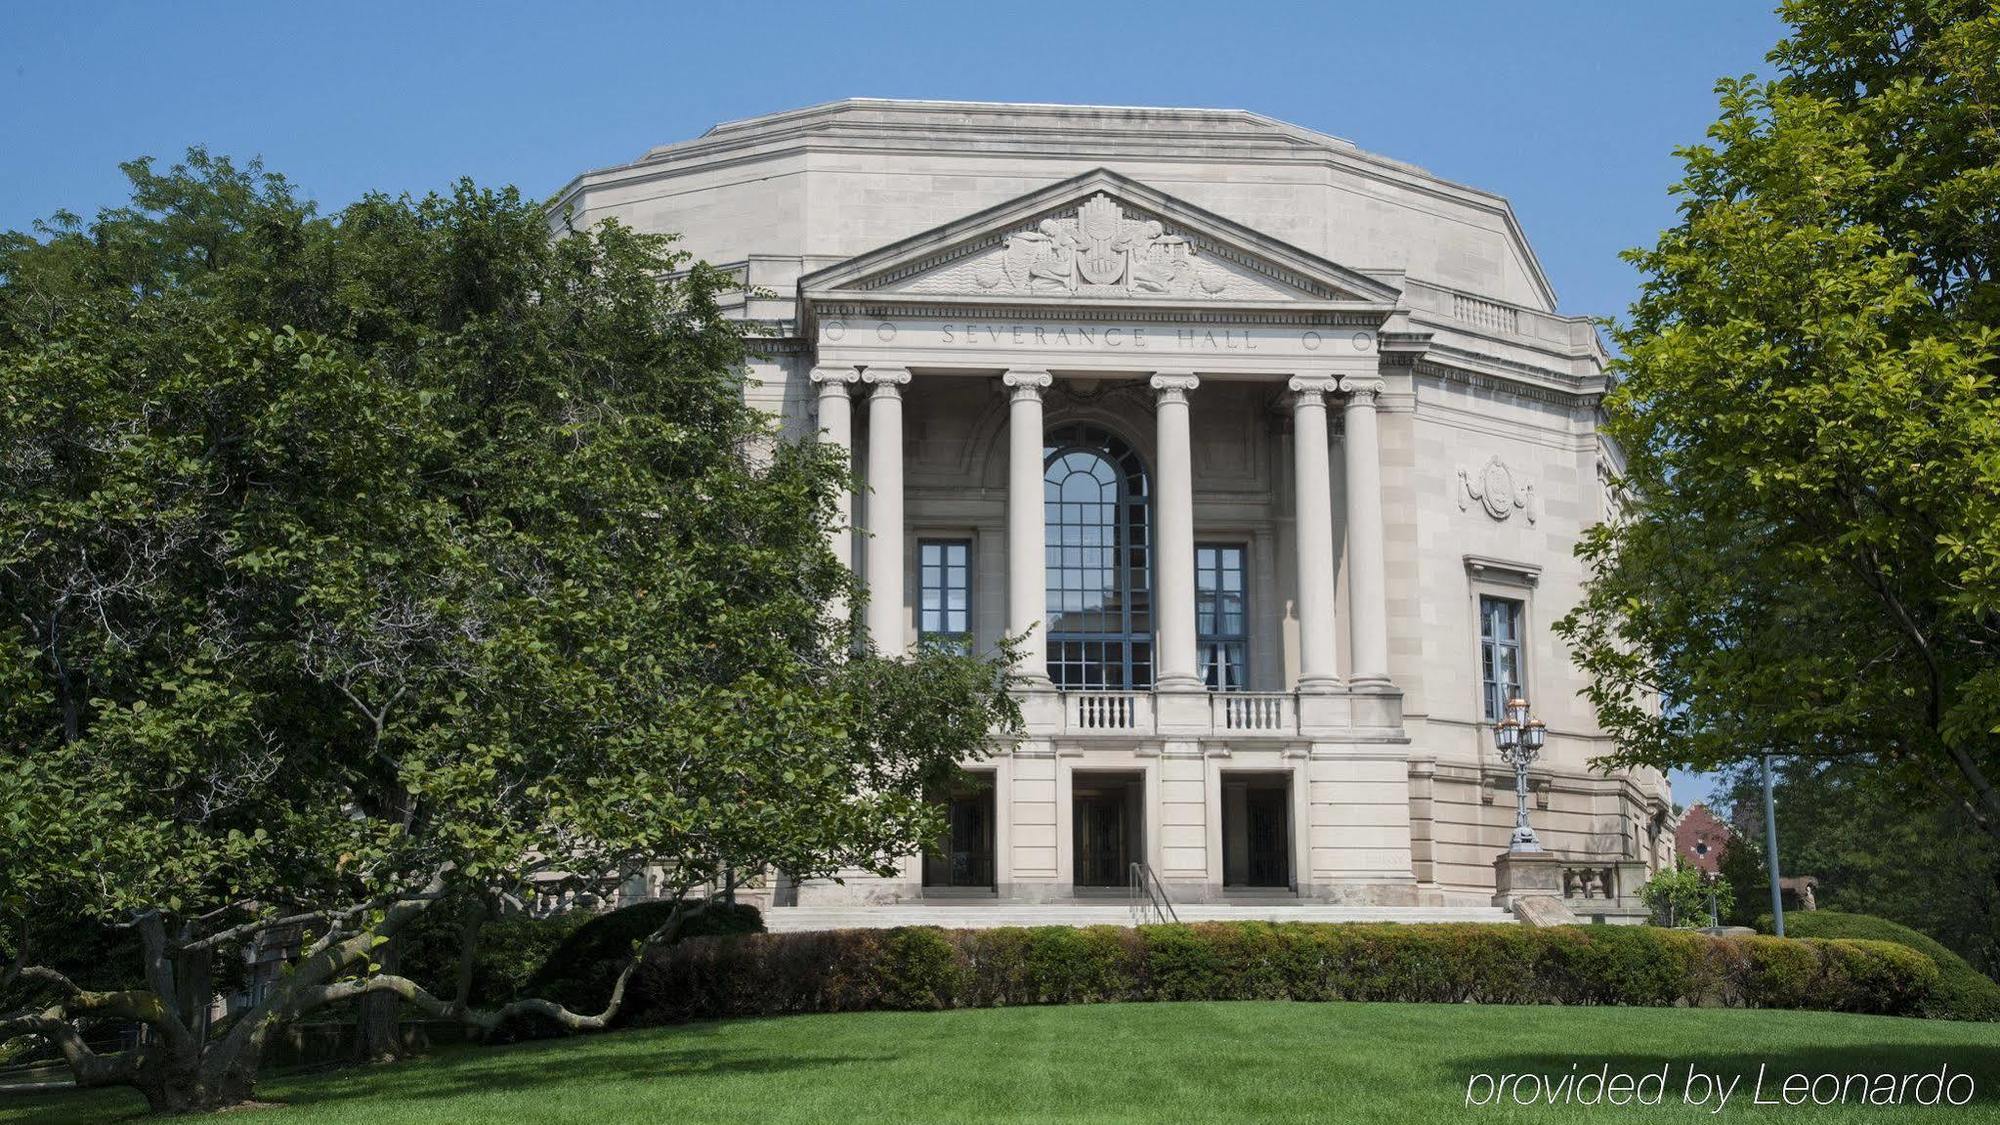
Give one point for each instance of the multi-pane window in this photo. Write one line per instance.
(1099, 522)
(1221, 633)
(944, 593)
(1499, 653)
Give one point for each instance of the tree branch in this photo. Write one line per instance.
(1934, 709)
(87, 1066)
(490, 1018)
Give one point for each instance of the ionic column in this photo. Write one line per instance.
(1027, 532)
(1173, 564)
(1313, 492)
(836, 429)
(885, 508)
(1367, 590)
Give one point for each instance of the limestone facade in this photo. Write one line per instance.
(1269, 445)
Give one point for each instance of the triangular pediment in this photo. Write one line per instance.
(1098, 238)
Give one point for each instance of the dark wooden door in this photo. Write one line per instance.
(1268, 821)
(1101, 852)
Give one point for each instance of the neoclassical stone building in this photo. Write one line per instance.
(1276, 450)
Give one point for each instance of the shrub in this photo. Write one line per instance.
(927, 968)
(1963, 992)
(1626, 965)
(1682, 896)
(922, 971)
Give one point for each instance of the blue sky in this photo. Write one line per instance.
(1572, 110)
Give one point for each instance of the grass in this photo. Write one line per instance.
(1114, 1062)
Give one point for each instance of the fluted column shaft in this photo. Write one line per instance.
(836, 429)
(885, 509)
(1313, 493)
(1367, 587)
(1175, 667)
(1027, 531)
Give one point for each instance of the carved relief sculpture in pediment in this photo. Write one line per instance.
(1100, 250)
(1494, 487)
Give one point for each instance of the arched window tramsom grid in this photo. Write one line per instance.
(1097, 507)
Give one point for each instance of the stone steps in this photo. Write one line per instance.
(962, 915)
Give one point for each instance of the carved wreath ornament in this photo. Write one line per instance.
(1101, 250)
(1494, 488)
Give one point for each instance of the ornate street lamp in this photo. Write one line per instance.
(1519, 740)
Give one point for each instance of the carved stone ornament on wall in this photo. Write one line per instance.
(1494, 487)
(1100, 250)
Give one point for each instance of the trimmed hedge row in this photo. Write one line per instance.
(923, 968)
(1963, 992)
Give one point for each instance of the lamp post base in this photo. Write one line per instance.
(1519, 875)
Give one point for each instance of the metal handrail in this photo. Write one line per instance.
(1149, 897)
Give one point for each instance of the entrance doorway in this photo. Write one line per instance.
(1257, 830)
(964, 858)
(1110, 827)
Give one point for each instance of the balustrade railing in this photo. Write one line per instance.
(1272, 714)
(1108, 712)
(1253, 712)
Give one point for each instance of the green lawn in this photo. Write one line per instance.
(1131, 1062)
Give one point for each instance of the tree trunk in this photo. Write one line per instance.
(378, 1029)
(184, 1091)
(193, 974)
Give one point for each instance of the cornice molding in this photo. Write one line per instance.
(1447, 376)
(883, 307)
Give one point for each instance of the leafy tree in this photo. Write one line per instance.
(1807, 401)
(1682, 895)
(1879, 844)
(354, 564)
(1742, 867)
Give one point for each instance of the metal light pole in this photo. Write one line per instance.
(1771, 849)
(1519, 740)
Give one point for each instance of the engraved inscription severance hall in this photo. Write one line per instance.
(1107, 336)
(1274, 450)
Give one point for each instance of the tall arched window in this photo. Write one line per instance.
(1098, 509)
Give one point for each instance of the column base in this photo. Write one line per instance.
(1320, 685)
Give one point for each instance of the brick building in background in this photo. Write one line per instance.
(1702, 838)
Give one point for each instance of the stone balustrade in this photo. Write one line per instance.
(1133, 714)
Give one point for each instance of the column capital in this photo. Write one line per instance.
(835, 380)
(1362, 389)
(886, 380)
(1173, 386)
(1312, 388)
(1028, 382)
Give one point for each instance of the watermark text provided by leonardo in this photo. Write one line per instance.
(1691, 1085)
